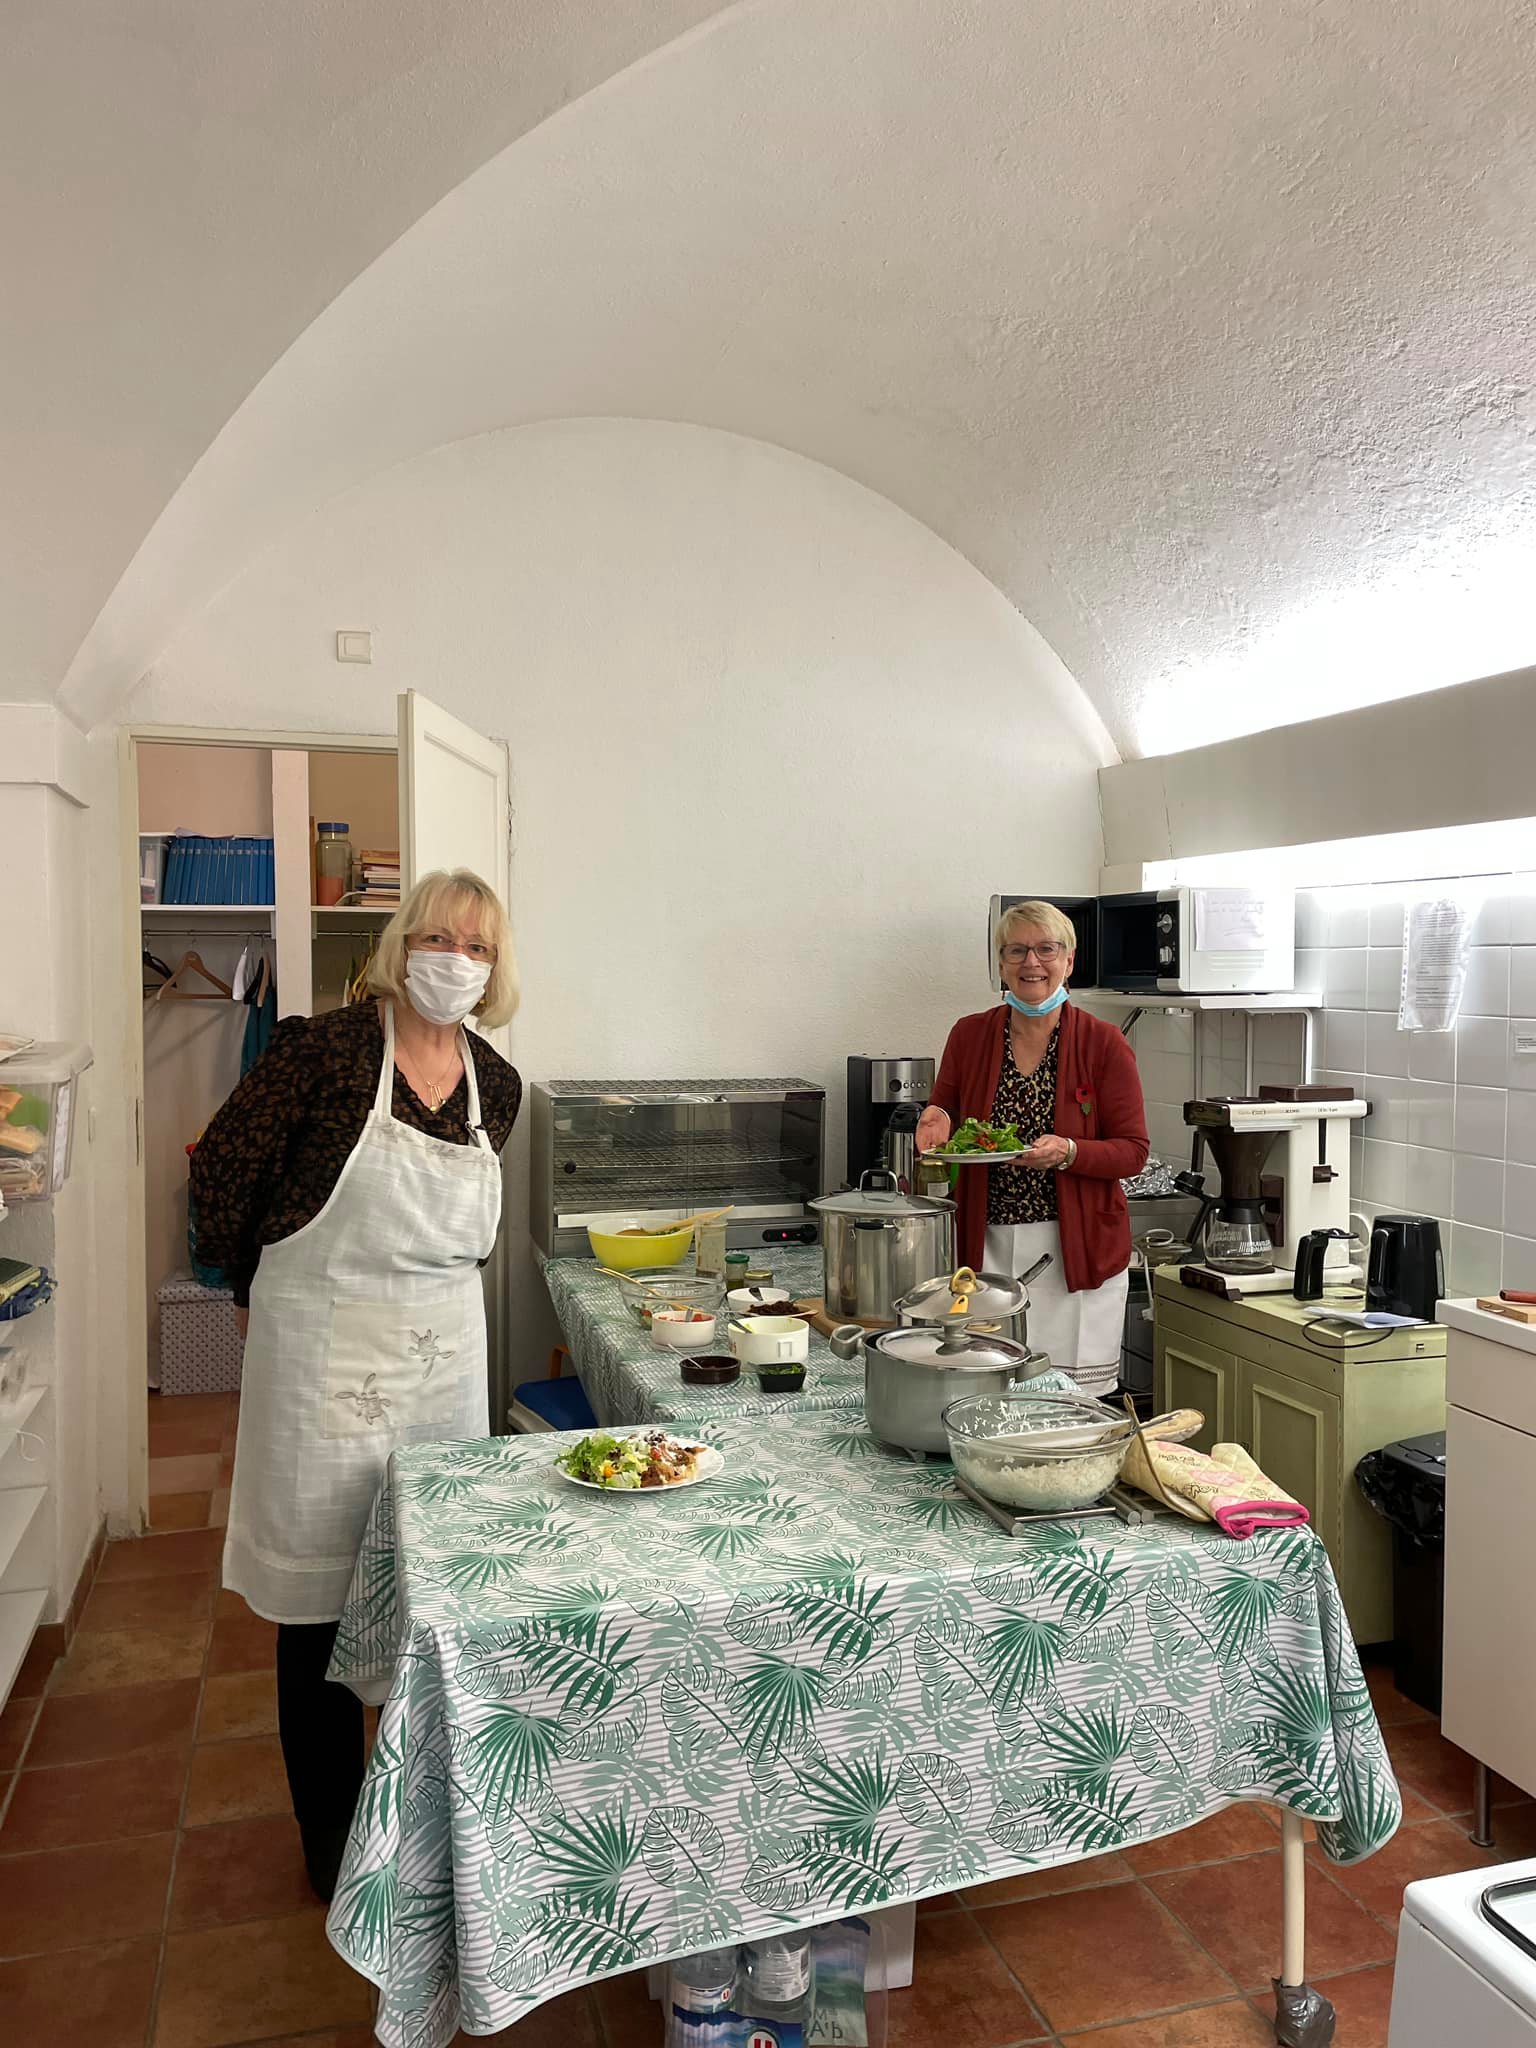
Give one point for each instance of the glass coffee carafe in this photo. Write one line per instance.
(1237, 1240)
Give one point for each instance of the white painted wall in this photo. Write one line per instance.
(773, 744)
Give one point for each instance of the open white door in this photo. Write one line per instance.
(454, 814)
(453, 795)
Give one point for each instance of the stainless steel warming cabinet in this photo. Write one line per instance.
(657, 1149)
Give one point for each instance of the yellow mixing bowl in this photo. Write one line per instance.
(630, 1254)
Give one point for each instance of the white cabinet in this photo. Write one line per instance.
(1490, 1541)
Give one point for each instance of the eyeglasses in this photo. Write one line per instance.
(1047, 955)
(435, 941)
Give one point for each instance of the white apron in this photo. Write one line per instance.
(1080, 1333)
(367, 1331)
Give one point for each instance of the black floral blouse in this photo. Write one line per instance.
(1024, 1194)
(268, 1162)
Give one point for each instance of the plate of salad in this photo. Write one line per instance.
(979, 1144)
(637, 1461)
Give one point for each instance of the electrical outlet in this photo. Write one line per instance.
(354, 647)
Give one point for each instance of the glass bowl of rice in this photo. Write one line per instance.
(1037, 1453)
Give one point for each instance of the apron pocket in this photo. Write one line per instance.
(391, 1366)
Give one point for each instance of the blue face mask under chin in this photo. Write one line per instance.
(1044, 1009)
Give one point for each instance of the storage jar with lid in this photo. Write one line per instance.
(880, 1244)
(333, 863)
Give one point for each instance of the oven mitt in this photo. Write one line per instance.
(1226, 1488)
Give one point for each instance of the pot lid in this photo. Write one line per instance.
(965, 1297)
(879, 1195)
(962, 1350)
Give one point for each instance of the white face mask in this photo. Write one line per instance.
(445, 987)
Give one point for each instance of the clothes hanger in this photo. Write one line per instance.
(263, 981)
(190, 963)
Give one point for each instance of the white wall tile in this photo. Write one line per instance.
(1492, 924)
(1522, 911)
(1520, 1263)
(1432, 1056)
(1386, 1173)
(1475, 1261)
(1430, 1186)
(1520, 1200)
(1311, 918)
(1311, 964)
(1522, 981)
(1480, 1118)
(1389, 1110)
(1384, 978)
(1432, 1114)
(1385, 922)
(1522, 1052)
(1487, 989)
(1345, 985)
(1479, 1191)
(1386, 1048)
(1482, 1053)
(1520, 1130)
(1344, 1040)
(1349, 920)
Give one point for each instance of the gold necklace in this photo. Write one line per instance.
(433, 1088)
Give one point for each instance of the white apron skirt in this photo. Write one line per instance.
(367, 1331)
(1080, 1333)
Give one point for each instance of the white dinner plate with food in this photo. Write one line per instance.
(638, 1461)
(978, 1158)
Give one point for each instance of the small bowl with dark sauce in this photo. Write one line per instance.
(713, 1369)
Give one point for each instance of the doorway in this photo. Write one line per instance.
(241, 922)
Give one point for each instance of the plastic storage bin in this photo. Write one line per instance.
(1405, 1482)
(38, 1090)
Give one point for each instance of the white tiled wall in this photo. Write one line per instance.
(1452, 1130)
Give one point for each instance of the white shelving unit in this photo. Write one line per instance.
(19, 1615)
(1302, 1003)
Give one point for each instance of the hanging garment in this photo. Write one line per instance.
(367, 1332)
(260, 1023)
(1081, 1334)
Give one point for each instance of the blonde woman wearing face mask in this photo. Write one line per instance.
(351, 1189)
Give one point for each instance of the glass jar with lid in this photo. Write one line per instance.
(333, 863)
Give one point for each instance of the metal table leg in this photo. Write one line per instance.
(1303, 2017)
(1482, 1808)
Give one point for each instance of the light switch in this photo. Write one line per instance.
(354, 647)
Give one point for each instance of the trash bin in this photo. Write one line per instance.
(1405, 1482)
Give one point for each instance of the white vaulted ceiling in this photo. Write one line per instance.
(1205, 333)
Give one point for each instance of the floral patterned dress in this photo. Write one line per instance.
(1024, 1194)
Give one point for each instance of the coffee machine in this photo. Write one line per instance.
(1283, 1157)
(885, 1099)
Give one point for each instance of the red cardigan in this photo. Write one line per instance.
(1098, 1102)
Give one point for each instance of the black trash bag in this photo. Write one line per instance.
(1303, 2017)
(1405, 1483)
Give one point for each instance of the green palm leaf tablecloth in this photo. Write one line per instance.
(628, 1380)
(619, 1728)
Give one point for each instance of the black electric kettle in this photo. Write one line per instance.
(1310, 1255)
(1406, 1273)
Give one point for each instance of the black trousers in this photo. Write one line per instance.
(320, 1726)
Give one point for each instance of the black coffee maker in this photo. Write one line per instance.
(1406, 1272)
(885, 1099)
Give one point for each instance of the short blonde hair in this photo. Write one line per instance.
(448, 899)
(1053, 922)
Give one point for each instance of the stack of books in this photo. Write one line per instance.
(378, 872)
(201, 869)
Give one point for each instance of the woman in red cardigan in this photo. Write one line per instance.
(1068, 1081)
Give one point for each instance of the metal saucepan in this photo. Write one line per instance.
(880, 1244)
(976, 1301)
(911, 1375)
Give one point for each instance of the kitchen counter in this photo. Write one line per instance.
(820, 1683)
(1478, 1322)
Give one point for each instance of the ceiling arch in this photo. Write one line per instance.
(1202, 335)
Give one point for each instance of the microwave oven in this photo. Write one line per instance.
(1176, 941)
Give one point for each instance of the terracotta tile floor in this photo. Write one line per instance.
(191, 1455)
(152, 1894)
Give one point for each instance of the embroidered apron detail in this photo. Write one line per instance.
(367, 1332)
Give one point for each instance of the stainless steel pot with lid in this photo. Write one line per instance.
(978, 1301)
(880, 1243)
(912, 1374)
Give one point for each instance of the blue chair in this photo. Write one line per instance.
(552, 1403)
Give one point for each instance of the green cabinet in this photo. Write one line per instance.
(1307, 1404)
